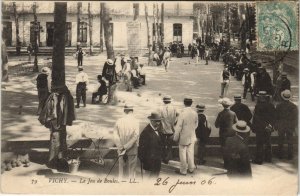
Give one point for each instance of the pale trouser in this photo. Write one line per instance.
(127, 168)
(186, 156)
(224, 89)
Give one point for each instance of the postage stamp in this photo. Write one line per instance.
(276, 26)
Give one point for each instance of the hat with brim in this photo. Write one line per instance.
(286, 95)
(154, 116)
(80, 68)
(45, 70)
(200, 107)
(237, 97)
(246, 70)
(167, 98)
(225, 102)
(241, 127)
(110, 62)
(262, 95)
(188, 100)
(128, 107)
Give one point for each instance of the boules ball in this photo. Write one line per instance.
(159, 94)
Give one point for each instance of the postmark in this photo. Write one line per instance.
(276, 26)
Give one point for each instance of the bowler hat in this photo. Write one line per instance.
(286, 94)
(154, 116)
(167, 98)
(225, 101)
(128, 107)
(200, 107)
(110, 62)
(241, 126)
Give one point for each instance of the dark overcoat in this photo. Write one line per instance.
(238, 157)
(150, 149)
(286, 116)
(242, 112)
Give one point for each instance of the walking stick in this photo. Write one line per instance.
(121, 154)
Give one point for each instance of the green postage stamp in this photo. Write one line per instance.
(277, 26)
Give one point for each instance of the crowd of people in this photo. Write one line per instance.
(169, 127)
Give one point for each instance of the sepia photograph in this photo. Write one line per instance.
(149, 97)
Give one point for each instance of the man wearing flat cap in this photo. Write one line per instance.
(286, 123)
(82, 80)
(237, 152)
(203, 131)
(150, 146)
(225, 119)
(169, 114)
(185, 135)
(262, 126)
(126, 136)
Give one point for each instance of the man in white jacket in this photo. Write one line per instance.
(126, 136)
(185, 134)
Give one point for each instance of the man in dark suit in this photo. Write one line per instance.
(237, 152)
(150, 146)
(263, 121)
(242, 111)
(286, 122)
(225, 119)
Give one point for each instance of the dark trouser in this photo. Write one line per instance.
(79, 61)
(201, 150)
(222, 142)
(153, 167)
(263, 147)
(135, 82)
(246, 87)
(206, 60)
(43, 95)
(167, 147)
(58, 144)
(289, 137)
(81, 92)
(144, 79)
(94, 96)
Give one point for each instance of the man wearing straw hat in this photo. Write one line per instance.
(237, 152)
(169, 114)
(126, 135)
(262, 126)
(286, 123)
(225, 119)
(185, 135)
(150, 146)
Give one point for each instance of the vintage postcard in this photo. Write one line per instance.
(149, 97)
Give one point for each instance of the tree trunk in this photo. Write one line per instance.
(155, 26)
(162, 24)
(198, 22)
(18, 43)
(228, 23)
(4, 60)
(36, 46)
(108, 34)
(90, 28)
(136, 11)
(101, 27)
(79, 6)
(58, 65)
(150, 59)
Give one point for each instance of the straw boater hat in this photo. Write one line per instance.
(80, 68)
(286, 95)
(110, 62)
(241, 127)
(225, 102)
(200, 107)
(246, 70)
(128, 107)
(237, 97)
(167, 98)
(45, 70)
(154, 116)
